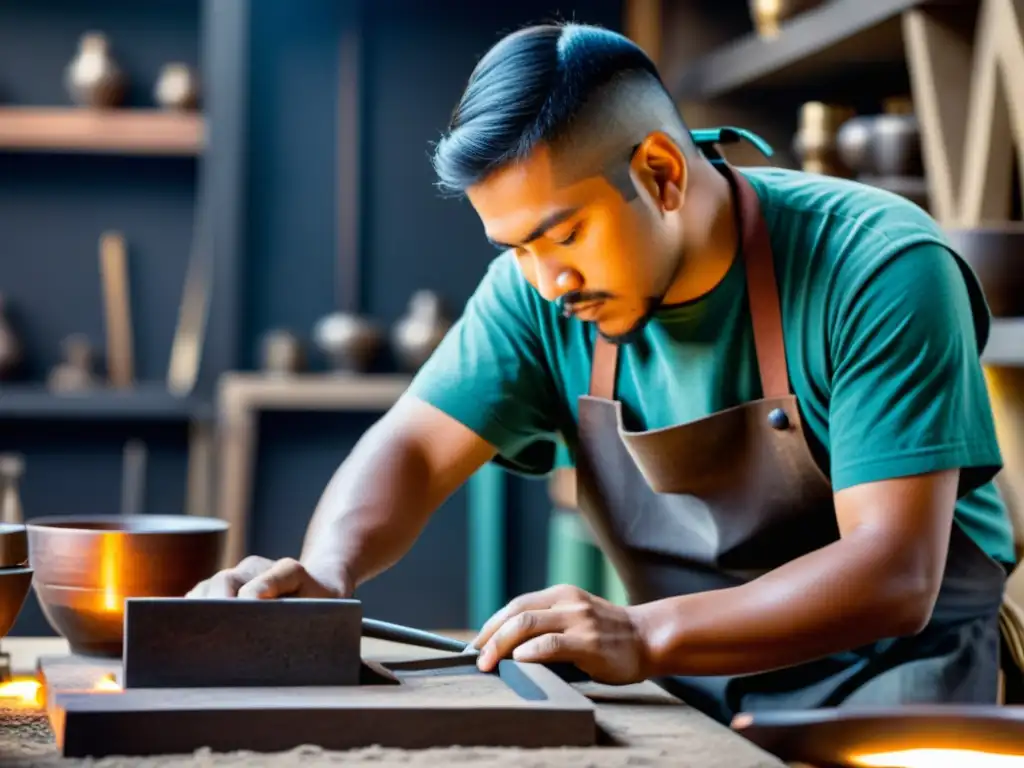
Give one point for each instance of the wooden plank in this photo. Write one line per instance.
(442, 705)
(208, 643)
(113, 131)
(859, 30)
(312, 391)
(117, 310)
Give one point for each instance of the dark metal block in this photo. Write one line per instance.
(231, 643)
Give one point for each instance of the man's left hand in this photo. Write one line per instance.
(566, 624)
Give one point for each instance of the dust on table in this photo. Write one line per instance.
(656, 735)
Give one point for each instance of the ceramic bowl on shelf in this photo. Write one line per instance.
(86, 565)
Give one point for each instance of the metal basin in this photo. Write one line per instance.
(15, 575)
(85, 566)
(994, 253)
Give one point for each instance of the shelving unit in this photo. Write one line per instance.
(833, 38)
(162, 178)
(829, 53)
(27, 401)
(114, 131)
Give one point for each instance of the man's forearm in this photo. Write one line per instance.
(848, 594)
(372, 511)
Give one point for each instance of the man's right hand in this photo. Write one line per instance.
(259, 578)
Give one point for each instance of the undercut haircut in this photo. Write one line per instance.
(588, 93)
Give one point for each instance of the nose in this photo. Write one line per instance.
(555, 280)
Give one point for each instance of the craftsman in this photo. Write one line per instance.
(768, 382)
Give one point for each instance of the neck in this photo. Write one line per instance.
(709, 235)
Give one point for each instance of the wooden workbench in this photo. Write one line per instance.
(652, 728)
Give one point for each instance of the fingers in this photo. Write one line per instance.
(518, 630)
(532, 601)
(284, 577)
(228, 582)
(546, 649)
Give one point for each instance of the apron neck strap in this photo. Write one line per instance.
(762, 291)
(762, 294)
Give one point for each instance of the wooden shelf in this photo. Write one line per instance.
(144, 403)
(839, 35)
(311, 391)
(108, 131)
(1005, 343)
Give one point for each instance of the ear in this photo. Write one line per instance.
(659, 166)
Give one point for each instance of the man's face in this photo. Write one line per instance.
(599, 249)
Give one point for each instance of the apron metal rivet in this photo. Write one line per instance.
(778, 419)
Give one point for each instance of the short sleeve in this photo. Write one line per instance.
(490, 372)
(908, 393)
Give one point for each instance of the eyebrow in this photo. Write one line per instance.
(547, 223)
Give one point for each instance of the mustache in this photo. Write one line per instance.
(569, 301)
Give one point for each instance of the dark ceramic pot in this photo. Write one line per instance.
(994, 253)
(896, 146)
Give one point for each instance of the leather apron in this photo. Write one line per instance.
(721, 500)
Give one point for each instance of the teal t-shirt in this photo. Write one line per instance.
(883, 329)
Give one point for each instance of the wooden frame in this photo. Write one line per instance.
(243, 395)
(540, 710)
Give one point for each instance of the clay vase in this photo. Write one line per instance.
(10, 346)
(177, 87)
(815, 143)
(12, 467)
(350, 342)
(854, 145)
(768, 15)
(282, 353)
(93, 78)
(76, 372)
(416, 335)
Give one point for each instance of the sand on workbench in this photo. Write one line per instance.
(663, 739)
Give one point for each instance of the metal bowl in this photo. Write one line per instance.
(13, 545)
(15, 575)
(85, 566)
(994, 253)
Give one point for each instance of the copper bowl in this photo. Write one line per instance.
(994, 253)
(15, 576)
(85, 566)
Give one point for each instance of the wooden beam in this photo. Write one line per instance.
(970, 106)
(643, 25)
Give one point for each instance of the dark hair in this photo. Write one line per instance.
(525, 91)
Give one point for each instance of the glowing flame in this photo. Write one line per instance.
(108, 684)
(21, 691)
(939, 758)
(111, 558)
